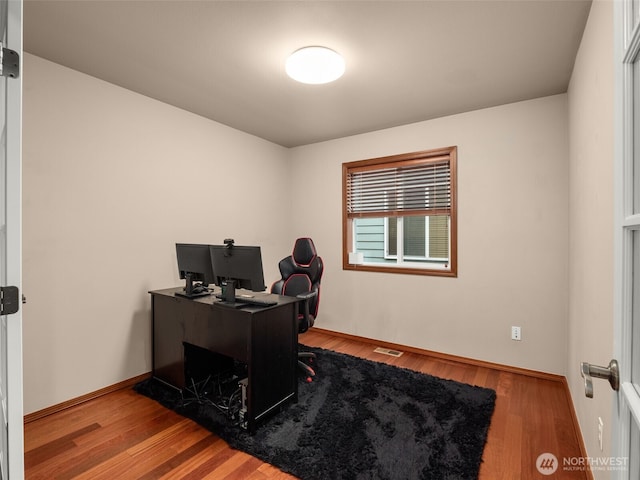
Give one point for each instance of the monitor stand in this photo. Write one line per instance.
(188, 290)
(229, 291)
(228, 295)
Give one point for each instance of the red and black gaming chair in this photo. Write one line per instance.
(301, 274)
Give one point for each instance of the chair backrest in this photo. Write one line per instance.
(301, 273)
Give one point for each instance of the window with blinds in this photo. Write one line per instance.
(399, 213)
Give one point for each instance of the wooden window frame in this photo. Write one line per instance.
(403, 160)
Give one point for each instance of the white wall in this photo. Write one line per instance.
(113, 172)
(112, 180)
(512, 229)
(591, 222)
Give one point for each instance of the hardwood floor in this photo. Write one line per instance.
(127, 436)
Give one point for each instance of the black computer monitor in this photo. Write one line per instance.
(194, 265)
(237, 266)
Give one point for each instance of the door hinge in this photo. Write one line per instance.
(9, 62)
(9, 300)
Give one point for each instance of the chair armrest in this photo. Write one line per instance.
(307, 296)
(308, 320)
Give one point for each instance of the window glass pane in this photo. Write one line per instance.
(369, 239)
(634, 460)
(635, 14)
(636, 137)
(392, 236)
(439, 236)
(635, 322)
(414, 237)
(425, 239)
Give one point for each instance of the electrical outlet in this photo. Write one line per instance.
(516, 334)
(600, 431)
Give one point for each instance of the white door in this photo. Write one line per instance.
(11, 412)
(626, 415)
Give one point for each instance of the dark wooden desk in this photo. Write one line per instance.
(265, 339)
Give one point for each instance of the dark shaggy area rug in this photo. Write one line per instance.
(360, 419)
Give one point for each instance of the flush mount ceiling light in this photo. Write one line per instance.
(315, 65)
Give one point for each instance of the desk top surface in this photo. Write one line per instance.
(212, 299)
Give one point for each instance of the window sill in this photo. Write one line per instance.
(435, 271)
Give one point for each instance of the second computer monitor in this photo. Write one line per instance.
(194, 265)
(240, 264)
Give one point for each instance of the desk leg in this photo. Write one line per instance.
(168, 332)
(273, 363)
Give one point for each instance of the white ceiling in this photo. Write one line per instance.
(407, 61)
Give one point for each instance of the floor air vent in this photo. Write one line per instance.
(386, 351)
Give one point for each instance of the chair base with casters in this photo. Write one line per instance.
(301, 273)
(306, 321)
(305, 367)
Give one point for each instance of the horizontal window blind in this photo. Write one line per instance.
(399, 190)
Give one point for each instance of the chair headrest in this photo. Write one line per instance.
(304, 252)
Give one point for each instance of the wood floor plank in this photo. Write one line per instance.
(79, 459)
(101, 410)
(153, 452)
(210, 465)
(125, 435)
(55, 447)
(191, 467)
(174, 461)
